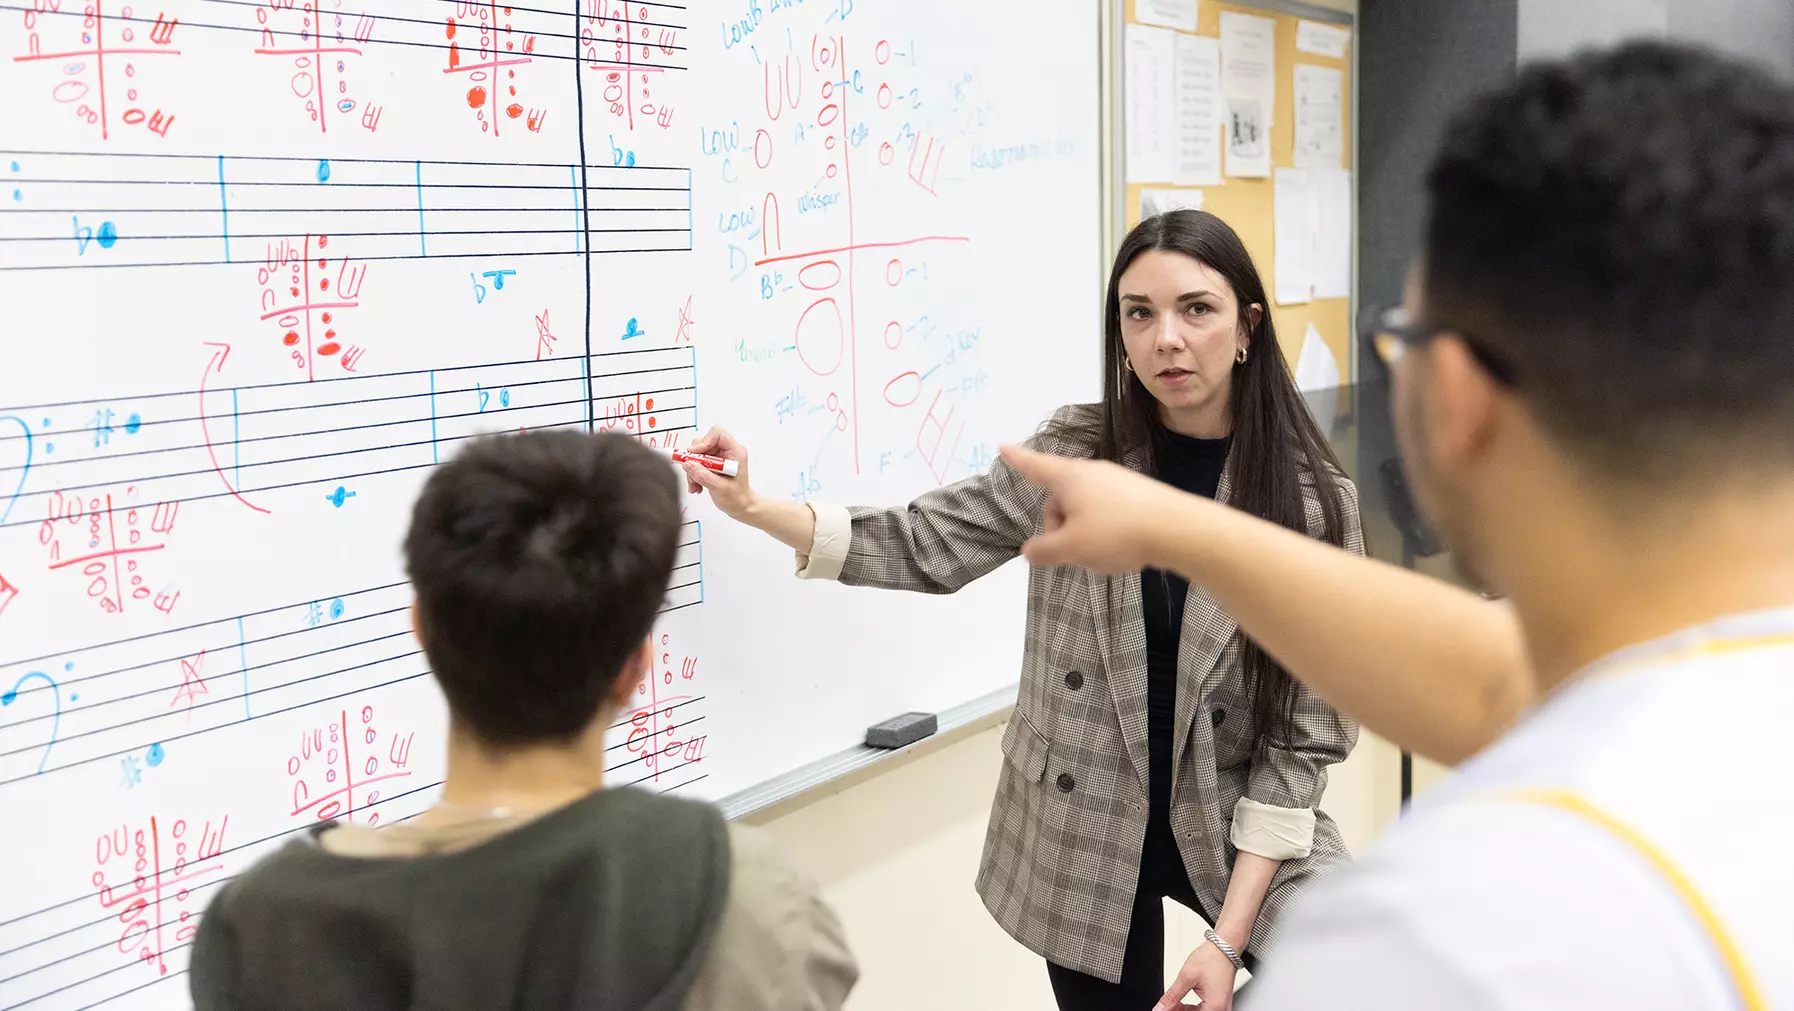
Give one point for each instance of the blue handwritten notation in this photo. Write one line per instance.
(106, 236)
(339, 496)
(497, 277)
(485, 396)
(12, 695)
(634, 329)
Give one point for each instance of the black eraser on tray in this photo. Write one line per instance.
(899, 731)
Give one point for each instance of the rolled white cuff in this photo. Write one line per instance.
(828, 546)
(1275, 833)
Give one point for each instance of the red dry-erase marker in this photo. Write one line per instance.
(727, 468)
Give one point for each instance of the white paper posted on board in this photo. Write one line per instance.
(1249, 83)
(1316, 367)
(1332, 188)
(1151, 104)
(1199, 112)
(1179, 14)
(1294, 211)
(1161, 201)
(1321, 39)
(1320, 116)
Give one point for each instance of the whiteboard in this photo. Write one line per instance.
(262, 267)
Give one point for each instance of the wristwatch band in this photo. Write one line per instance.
(1226, 949)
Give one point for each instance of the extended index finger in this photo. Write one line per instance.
(1039, 468)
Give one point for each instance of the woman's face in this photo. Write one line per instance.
(1180, 326)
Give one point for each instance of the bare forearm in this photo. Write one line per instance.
(1432, 667)
(1246, 890)
(791, 523)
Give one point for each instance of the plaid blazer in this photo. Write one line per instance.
(1062, 853)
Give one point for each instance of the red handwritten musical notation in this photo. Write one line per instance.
(324, 49)
(112, 567)
(620, 41)
(83, 44)
(660, 732)
(146, 878)
(833, 300)
(336, 768)
(545, 337)
(479, 25)
(304, 294)
(193, 683)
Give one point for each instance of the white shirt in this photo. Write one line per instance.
(1480, 902)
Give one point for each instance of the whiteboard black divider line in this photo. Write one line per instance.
(585, 249)
(954, 723)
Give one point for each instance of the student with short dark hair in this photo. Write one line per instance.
(539, 562)
(1593, 387)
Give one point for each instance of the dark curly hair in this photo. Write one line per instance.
(540, 561)
(1620, 227)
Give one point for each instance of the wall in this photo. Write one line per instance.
(1762, 30)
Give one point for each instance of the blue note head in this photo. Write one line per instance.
(133, 423)
(323, 170)
(154, 755)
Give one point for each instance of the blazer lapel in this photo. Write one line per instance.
(1204, 636)
(1121, 638)
(1117, 610)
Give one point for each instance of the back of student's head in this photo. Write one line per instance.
(1619, 227)
(539, 561)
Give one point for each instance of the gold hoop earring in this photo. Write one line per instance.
(1127, 363)
(1240, 358)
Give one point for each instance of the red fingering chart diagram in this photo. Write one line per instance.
(148, 877)
(337, 769)
(494, 53)
(105, 541)
(628, 44)
(304, 293)
(664, 741)
(82, 42)
(637, 415)
(321, 52)
(809, 94)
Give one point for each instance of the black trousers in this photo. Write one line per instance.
(1162, 876)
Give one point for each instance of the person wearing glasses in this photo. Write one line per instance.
(1154, 750)
(1593, 390)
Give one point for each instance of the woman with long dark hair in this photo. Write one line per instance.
(1154, 750)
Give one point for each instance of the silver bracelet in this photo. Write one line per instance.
(1226, 949)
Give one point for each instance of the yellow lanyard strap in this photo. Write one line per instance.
(1750, 996)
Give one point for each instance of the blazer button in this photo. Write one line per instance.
(1217, 716)
(1066, 783)
(1074, 680)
